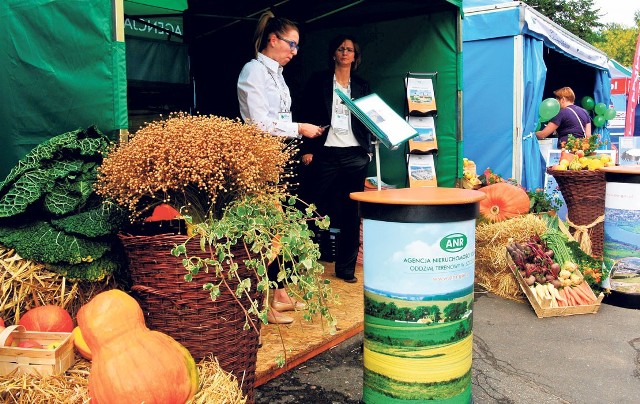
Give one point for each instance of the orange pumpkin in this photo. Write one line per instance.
(130, 363)
(503, 201)
(80, 344)
(47, 318)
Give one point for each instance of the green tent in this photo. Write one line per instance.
(76, 76)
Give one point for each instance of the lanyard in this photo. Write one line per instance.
(282, 93)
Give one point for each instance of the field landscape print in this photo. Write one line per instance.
(418, 348)
(621, 233)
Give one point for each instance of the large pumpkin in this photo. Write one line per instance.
(130, 363)
(48, 318)
(503, 201)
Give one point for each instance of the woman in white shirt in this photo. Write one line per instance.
(265, 101)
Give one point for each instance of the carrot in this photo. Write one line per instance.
(561, 298)
(571, 297)
(567, 297)
(583, 296)
(587, 290)
(579, 297)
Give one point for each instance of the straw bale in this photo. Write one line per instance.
(25, 284)
(216, 386)
(492, 271)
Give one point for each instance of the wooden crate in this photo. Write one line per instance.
(543, 309)
(42, 361)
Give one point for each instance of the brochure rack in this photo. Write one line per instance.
(421, 113)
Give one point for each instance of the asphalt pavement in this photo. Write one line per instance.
(517, 358)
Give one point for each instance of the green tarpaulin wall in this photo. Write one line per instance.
(61, 70)
(64, 71)
(390, 49)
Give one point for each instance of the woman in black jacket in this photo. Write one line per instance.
(338, 160)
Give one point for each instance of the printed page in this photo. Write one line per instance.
(392, 125)
(426, 140)
(421, 97)
(422, 171)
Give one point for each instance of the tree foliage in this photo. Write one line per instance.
(580, 17)
(619, 43)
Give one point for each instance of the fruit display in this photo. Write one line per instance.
(576, 162)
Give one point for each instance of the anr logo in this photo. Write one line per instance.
(453, 242)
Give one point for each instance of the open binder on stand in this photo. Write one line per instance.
(387, 126)
(421, 113)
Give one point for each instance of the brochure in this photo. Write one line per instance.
(389, 127)
(426, 140)
(629, 148)
(420, 96)
(422, 171)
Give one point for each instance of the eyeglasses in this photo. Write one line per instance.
(346, 50)
(292, 44)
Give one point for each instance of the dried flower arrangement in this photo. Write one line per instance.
(197, 164)
(225, 177)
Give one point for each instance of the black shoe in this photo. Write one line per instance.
(349, 280)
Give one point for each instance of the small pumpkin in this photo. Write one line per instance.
(130, 363)
(47, 318)
(504, 201)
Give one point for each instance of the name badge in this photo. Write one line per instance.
(285, 117)
(340, 121)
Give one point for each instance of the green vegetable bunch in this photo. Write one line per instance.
(50, 213)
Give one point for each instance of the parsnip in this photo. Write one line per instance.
(535, 293)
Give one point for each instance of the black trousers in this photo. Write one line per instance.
(337, 172)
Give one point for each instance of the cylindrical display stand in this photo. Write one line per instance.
(622, 235)
(419, 261)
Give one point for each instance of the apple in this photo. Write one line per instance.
(53, 345)
(29, 343)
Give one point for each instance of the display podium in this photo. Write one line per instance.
(419, 262)
(621, 249)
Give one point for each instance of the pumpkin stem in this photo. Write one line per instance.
(495, 209)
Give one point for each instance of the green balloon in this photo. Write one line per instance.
(599, 121)
(548, 109)
(588, 103)
(609, 114)
(600, 108)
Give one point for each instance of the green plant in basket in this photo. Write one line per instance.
(542, 201)
(268, 227)
(225, 178)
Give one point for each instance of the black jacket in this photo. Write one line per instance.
(317, 107)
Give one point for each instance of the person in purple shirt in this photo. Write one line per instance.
(571, 120)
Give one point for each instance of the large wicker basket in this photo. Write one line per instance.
(583, 192)
(185, 311)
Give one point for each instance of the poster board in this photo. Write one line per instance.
(385, 124)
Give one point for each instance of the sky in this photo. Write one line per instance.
(619, 11)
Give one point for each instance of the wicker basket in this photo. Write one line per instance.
(583, 192)
(185, 311)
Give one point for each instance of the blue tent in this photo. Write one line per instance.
(514, 57)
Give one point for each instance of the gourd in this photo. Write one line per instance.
(47, 318)
(130, 363)
(503, 201)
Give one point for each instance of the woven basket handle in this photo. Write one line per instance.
(4, 335)
(154, 291)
